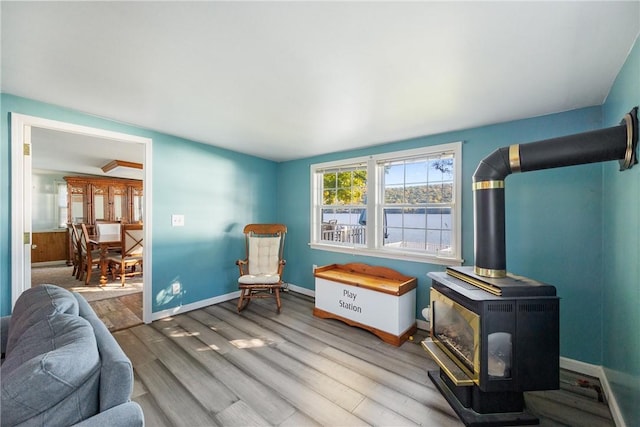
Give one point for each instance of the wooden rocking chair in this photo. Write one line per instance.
(261, 270)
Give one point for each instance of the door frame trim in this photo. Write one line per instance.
(21, 125)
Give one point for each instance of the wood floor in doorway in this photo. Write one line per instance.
(120, 312)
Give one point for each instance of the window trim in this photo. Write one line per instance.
(374, 206)
(61, 211)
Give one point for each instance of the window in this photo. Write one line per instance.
(343, 204)
(403, 205)
(61, 203)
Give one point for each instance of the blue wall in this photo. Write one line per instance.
(554, 222)
(621, 255)
(217, 190)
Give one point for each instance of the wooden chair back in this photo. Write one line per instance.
(83, 239)
(132, 240)
(75, 239)
(264, 244)
(76, 253)
(107, 227)
(85, 251)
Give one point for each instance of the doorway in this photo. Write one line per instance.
(23, 131)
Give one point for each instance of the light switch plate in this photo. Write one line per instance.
(177, 220)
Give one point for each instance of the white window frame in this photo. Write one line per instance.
(61, 210)
(374, 243)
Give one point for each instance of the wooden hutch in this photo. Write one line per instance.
(91, 199)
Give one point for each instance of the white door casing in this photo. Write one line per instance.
(21, 156)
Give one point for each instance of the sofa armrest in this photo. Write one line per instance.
(4, 333)
(116, 377)
(126, 415)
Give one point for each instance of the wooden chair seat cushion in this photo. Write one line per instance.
(127, 260)
(259, 279)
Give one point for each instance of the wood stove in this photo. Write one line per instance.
(495, 335)
(493, 342)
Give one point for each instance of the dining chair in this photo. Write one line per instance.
(90, 256)
(261, 270)
(131, 255)
(107, 227)
(76, 255)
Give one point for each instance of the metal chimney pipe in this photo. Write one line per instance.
(614, 143)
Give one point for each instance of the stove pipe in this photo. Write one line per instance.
(614, 143)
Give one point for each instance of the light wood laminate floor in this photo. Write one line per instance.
(214, 366)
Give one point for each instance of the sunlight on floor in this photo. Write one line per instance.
(183, 334)
(248, 343)
(209, 348)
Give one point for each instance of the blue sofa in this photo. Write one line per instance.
(61, 365)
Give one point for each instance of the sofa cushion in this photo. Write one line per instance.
(36, 304)
(52, 373)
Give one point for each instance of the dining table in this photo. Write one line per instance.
(104, 242)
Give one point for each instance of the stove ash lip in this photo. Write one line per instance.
(614, 143)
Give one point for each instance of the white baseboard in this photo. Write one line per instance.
(581, 367)
(217, 300)
(301, 290)
(157, 315)
(598, 372)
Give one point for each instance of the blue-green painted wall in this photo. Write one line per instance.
(554, 222)
(621, 255)
(217, 190)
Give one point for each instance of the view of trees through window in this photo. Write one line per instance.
(344, 187)
(344, 193)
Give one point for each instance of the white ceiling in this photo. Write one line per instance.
(80, 154)
(288, 80)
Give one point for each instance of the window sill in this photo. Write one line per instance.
(380, 253)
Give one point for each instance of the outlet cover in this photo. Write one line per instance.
(177, 220)
(175, 288)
